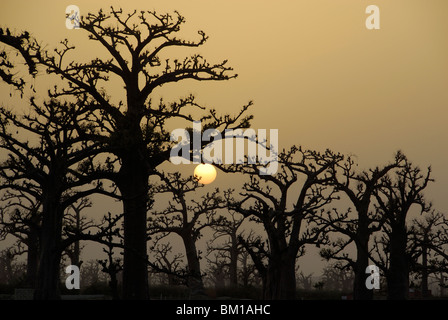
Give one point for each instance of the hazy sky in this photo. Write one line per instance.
(311, 67)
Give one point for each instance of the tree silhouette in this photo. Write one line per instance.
(48, 166)
(257, 249)
(111, 265)
(91, 274)
(440, 278)
(304, 281)
(230, 250)
(74, 218)
(217, 270)
(268, 198)
(10, 270)
(427, 234)
(395, 196)
(186, 217)
(338, 277)
(133, 129)
(247, 271)
(360, 189)
(20, 216)
(172, 266)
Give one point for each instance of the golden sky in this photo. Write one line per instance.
(311, 67)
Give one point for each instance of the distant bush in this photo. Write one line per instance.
(319, 295)
(6, 289)
(97, 288)
(239, 292)
(169, 292)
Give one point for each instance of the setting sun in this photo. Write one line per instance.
(205, 172)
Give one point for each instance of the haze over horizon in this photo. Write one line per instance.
(313, 70)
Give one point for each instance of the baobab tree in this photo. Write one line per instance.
(304, 280)
(358, 226)
(396, 195)
(48, 165)
(227, 230)
(10, 269)
(186, 216)
(20, 216)
(217, 270)
(133, 128)
(75, 218)
(247, 272)
(286, 204)
(168, 263)
(255, 247)
(338, 277)
(427, 240)
(111, 265)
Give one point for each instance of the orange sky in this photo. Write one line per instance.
(311, 67)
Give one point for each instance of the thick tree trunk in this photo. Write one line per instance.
(233, 268)
(76, 247)
(398, 273)
(280, 278)
(195, 283)
(133, 185)
(360, 290)
(32, 262)
(134, 189)
(50, 253)
(113, 285)
(442, 284)
(425, 287)
(135, 271)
